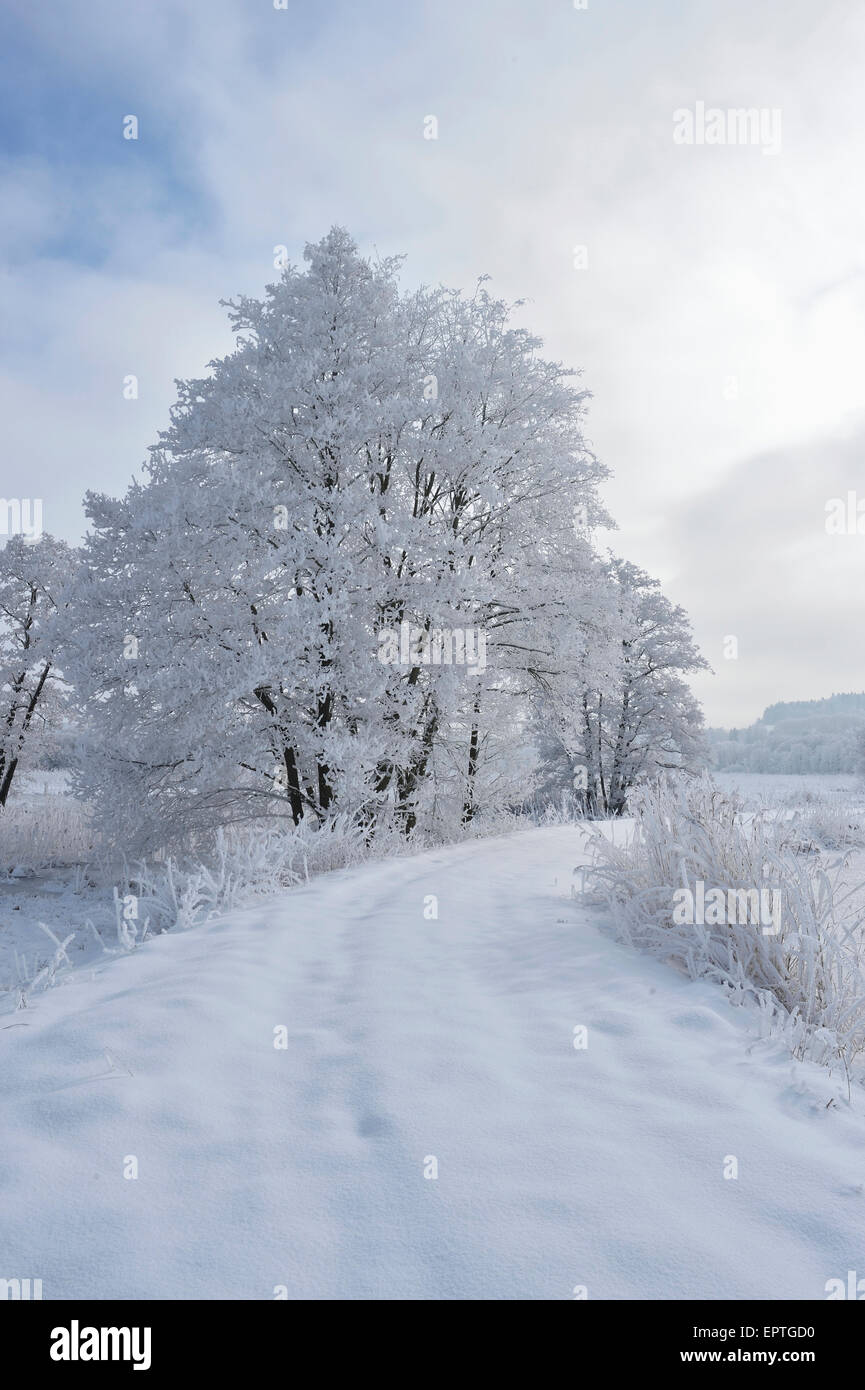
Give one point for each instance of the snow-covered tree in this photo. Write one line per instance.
(372, 481)
(641, 719)
(34, 578)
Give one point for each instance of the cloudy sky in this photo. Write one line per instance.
(716, 312)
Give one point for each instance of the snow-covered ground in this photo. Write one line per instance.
(416, 1042)
(775, 787)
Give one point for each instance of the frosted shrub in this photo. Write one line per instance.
(236, 866)
(805, 967)
(45, 830)
(831, 823)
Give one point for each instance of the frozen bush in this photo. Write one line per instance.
(805, 969)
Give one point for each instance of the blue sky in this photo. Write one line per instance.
(261, 127)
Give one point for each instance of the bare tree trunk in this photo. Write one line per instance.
(618, 781)
(9, 764)
(292, 782)
(292, 774)
(323, 718)
(469, 805)
(409, 779)
(604, 803)
(591, 792)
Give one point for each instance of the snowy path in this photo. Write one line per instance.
(410, 1038)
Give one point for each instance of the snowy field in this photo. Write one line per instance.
(428, 1130)
(789, 788)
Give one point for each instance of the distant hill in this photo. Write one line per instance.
(795, 736)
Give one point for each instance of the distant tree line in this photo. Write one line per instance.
(797, 736)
